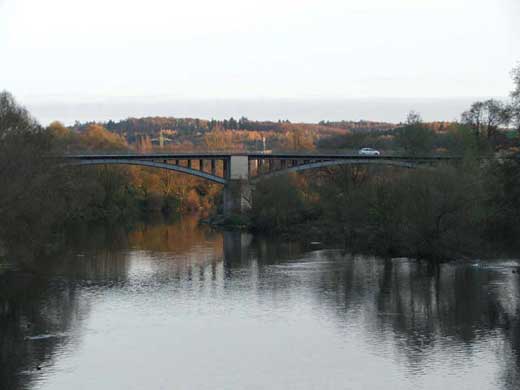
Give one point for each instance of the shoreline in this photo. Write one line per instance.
(316, 232)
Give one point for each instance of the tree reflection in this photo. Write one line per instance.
(413, 307)
(419, 306)
(422, 307)
(36, 318)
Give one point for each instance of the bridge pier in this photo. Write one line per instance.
(238, 194)
(238, 197)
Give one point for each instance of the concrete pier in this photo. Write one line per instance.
(238, 190)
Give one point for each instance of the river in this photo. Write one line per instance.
(179, 306)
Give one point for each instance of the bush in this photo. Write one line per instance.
(277, 204)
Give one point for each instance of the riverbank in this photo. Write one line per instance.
(323, 234)
(440, 214)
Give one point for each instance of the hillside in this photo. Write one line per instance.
(168, 133)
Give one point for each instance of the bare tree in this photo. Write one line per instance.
(486, 117)
(515, 95)
(413, 118)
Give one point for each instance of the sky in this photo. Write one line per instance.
(74, 51)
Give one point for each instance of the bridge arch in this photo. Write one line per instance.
(151, 164)
(323, 164)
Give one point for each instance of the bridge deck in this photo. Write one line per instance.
(254, 156)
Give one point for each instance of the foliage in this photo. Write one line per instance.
(298, 139)
(486, 117)
(415, 137)
(503, 199)
(459, 140)
(34, 196)
(277, 204)
(355, 140)
(434, 214)
(96, 137)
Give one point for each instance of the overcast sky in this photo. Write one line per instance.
(73, 50)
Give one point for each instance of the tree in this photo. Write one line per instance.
(144, 144)
(58, 130)
(343, 199)
(515, 95)
(35, 197)
(415, 137)
(503, 187)
(22, 145)
(459, 140)
(413, 118)
(96, 137)
(486, 117)
(277, 204)
(297, 138)
(15, 119)
(63, 138)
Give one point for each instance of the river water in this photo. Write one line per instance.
(178, 306)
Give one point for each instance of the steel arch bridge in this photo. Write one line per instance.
(239, 172)
(220, 168)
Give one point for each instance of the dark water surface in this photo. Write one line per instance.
(177, 306)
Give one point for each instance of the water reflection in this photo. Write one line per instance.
(184, 296)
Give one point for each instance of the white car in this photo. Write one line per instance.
(368, 152)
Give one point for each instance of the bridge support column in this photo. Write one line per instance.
(238, 191)
(238, 197)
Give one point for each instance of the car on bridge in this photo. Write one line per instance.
(369, 152)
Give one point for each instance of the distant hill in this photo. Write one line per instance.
(153, 126)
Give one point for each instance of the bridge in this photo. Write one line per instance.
(239, 172)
